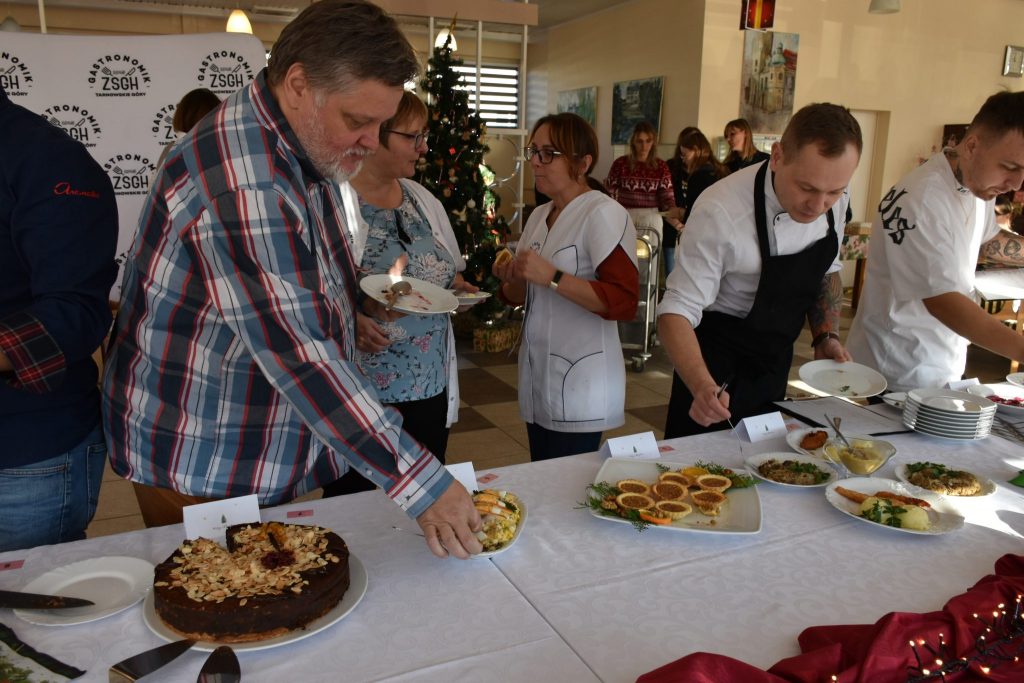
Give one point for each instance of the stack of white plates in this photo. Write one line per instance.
(949, 414)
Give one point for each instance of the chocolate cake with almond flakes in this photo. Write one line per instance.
(271, 579)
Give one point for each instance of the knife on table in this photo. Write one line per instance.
(19, 600)
(145, 663)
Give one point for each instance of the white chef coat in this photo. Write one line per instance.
(572, 376)
(718, 260)
(924, 242)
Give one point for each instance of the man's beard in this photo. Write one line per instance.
(323, 159)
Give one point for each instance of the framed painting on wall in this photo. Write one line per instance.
(768, 79)
(953, 133)
(581, 101)
(633, 102)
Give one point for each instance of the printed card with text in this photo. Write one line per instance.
(638, 446)
(761, 427)
(210, 520)
(464, 474)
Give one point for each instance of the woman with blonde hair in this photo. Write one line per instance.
(741, 145)
(642, 183)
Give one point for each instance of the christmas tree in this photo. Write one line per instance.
(453, 170)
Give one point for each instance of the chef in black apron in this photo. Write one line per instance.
(753, 354)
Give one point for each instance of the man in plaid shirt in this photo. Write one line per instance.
(230, 371)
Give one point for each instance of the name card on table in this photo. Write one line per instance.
(639, 446)
(761, 427)
(211, 520)
(464, 474)
(961, 384)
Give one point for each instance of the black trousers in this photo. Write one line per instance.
(424, 420)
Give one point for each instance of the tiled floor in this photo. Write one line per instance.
(491, 434)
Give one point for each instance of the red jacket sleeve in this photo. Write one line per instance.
(618, 285)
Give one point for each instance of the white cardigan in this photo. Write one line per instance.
(441, 228)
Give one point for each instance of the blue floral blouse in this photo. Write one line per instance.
(415, 365)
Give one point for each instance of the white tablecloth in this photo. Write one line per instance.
(580, 598)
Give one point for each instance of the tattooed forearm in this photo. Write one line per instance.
(1006, 247)
(824, 315)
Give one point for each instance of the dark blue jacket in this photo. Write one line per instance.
(58, 235)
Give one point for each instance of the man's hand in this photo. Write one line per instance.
(378, 311)
(832, 349)
(370, 337)
(708, 406)
(451, 523)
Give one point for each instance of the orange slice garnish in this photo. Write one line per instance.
(693, 472)
(668, 490)
(633, 486)
(634, 501)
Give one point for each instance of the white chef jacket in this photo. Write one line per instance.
(924, 242)
(572, 376)
(718, 261)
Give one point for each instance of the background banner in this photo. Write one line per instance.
(117, 94)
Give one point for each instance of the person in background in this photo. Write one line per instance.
(576, 270)
(917, 313)
(189, 111)
(642, 183)
(58, 235)
(231, 370)
(702, 169)
(760, 252)
(409, 359)
(677, 169)
(742, 152)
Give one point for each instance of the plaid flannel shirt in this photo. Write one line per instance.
(230, 371)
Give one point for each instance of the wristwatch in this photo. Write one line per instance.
(555, 278)
(822, 337)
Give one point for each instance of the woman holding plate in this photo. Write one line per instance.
(575, 268)
(404, 229)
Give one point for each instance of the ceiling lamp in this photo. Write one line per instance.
(238, 22)
(442, 36)
(884, 6)
(9, 24)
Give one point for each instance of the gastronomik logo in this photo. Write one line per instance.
(119, 75)
(15, 76)
(129, 173)
(224, 71)
(163, 125)
(77, 121)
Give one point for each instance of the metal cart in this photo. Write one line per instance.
(636, 334)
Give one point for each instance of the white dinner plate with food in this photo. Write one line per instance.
(850, 380)
(113, 583)
(424, 299)
(740, 514)
(515, 536)
(942, 517)
(987, 486)
(470, 298)
(357, 583)
(813, 470)
(795, 437)
(1009, 398)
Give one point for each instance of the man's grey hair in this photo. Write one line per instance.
(342, 42)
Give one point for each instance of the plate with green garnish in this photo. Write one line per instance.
(794, 471)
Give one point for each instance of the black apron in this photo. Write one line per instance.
(754, 354)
